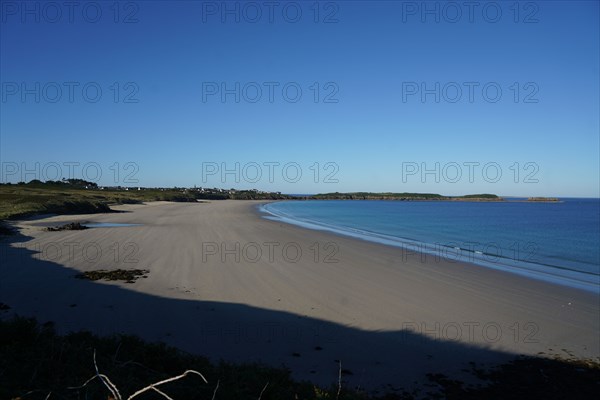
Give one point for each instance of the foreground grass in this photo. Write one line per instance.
(35, 361)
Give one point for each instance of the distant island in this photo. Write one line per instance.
(402, 197)
(544, 199)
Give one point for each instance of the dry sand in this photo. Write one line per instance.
(225, 283)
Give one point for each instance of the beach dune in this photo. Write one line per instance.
(226, 283)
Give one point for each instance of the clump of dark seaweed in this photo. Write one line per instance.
(73, 226)
(127, 275)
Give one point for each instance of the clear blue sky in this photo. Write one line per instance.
(373, 58)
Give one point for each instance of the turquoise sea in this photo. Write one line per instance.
(557, 242)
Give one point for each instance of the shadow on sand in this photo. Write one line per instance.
(309, 347)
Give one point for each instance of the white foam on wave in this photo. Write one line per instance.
(562, 276)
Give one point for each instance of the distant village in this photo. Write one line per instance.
(178, 193)
(83, 184)
(199, 192)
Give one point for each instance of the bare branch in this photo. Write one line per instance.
(263, 390)
(117, 352)
(337, 396)
(215, 392)
(166, 396)
(113, 389)
(153, 386)
(117, 396)
(84, 385)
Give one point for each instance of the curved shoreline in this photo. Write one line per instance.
(388, 318)
(571, 278)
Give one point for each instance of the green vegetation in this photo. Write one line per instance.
(76, 196)
(35, 361)
(17, 201)
(480, 196)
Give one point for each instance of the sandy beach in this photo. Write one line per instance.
(226, 283)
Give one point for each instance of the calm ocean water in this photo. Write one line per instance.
(558, 242)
